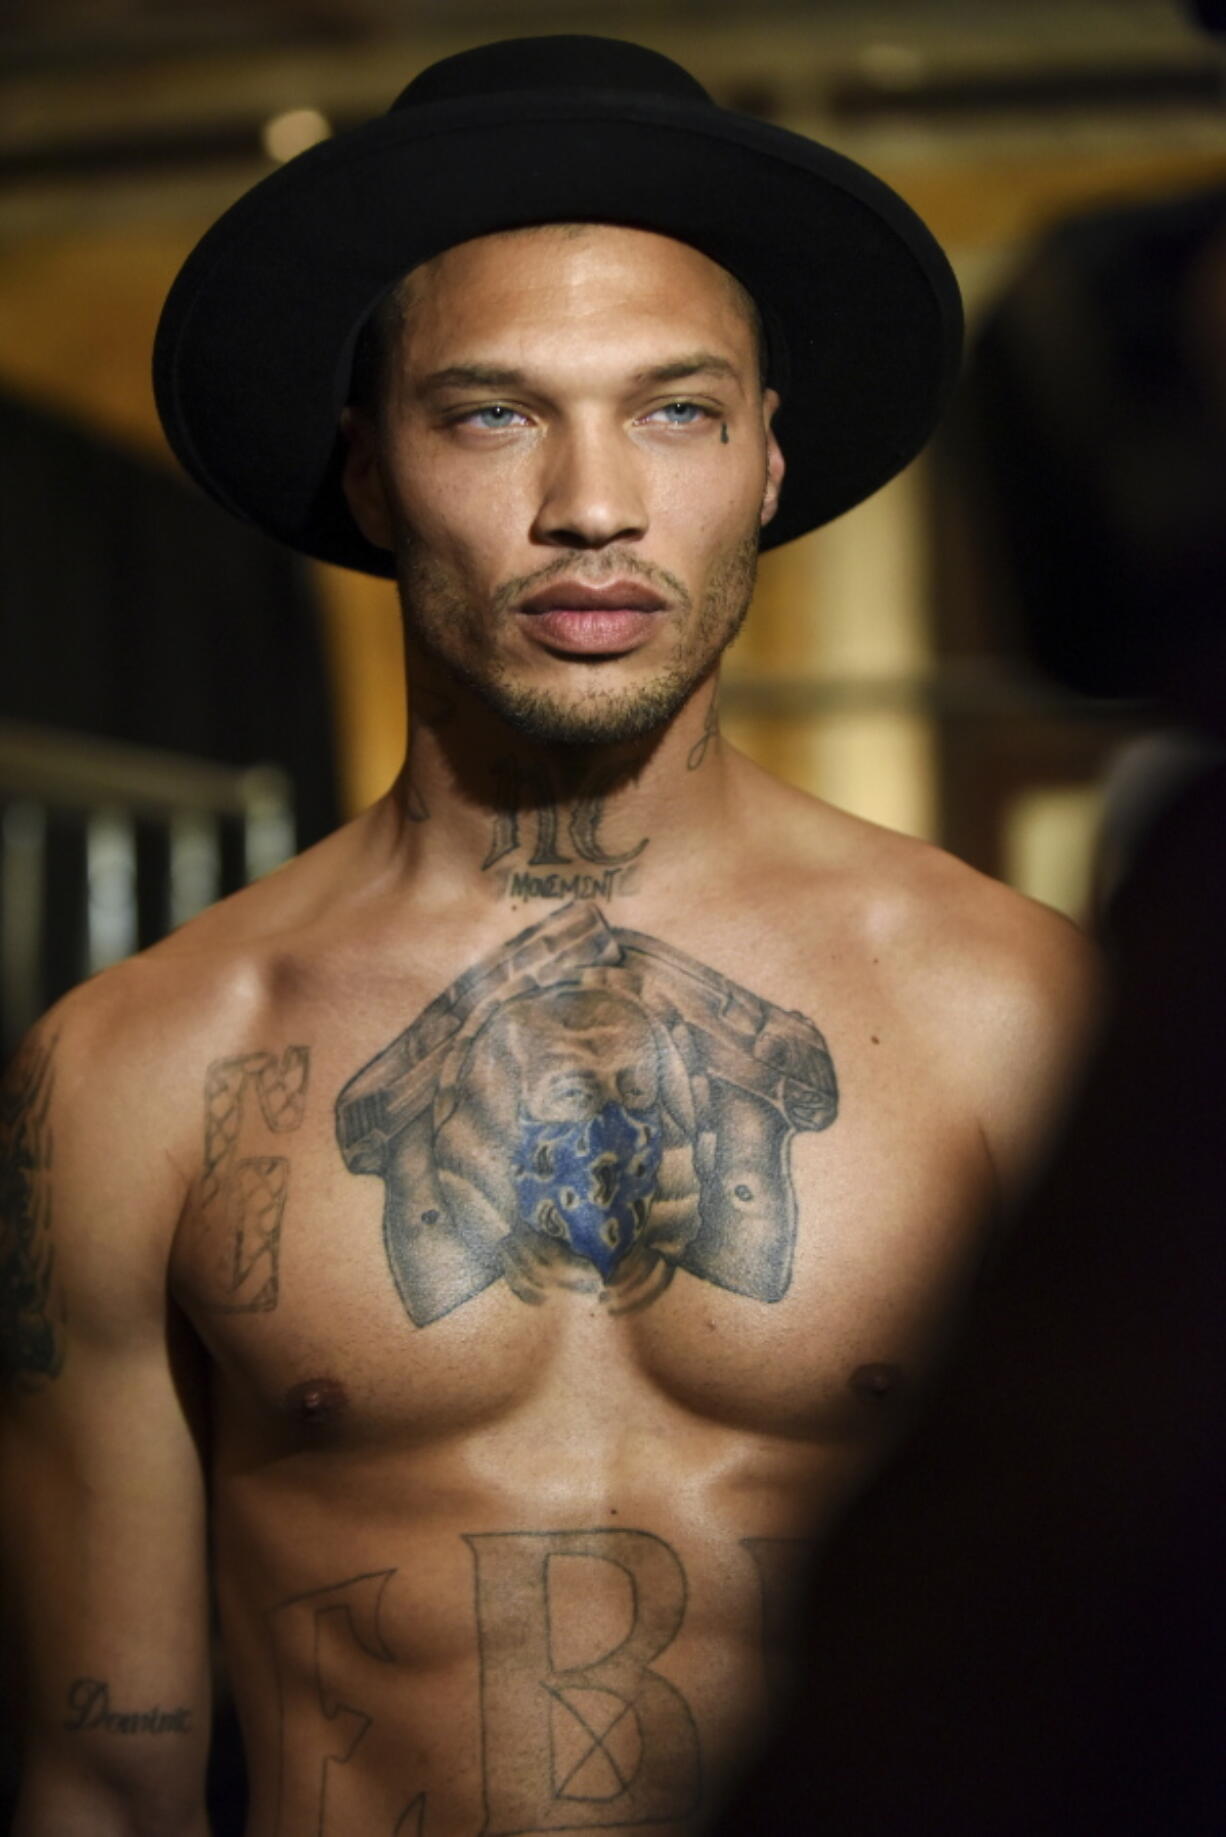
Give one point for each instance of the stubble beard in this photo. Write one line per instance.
(452, 633)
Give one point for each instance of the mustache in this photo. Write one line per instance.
(592, 571)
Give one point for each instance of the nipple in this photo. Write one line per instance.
(316, 1400)
(875, 1382)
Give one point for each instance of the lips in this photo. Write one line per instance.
(583, 620)
(578, 596)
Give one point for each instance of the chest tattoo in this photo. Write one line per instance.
(588, 1108)
(243, 1197)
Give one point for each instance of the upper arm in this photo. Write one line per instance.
(103, 1527)
(1037, 999)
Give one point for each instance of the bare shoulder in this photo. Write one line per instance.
(113, 1104)
(969, 944)
(124, 1055)
(108, 1080)
(998, 995)
(1004, 993)
(933, 917)
(220, 974)
(1020, 996)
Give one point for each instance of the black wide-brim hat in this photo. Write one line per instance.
(255, 348)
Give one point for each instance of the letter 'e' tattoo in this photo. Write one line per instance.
(244, 1196)
(592, 1109)
(31, 1305)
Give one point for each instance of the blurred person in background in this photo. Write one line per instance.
(1020, 1626)
(498, 1244)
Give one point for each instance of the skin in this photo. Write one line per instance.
(596, 465)
(433, 1532)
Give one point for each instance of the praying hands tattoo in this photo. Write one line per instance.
(588, 1109)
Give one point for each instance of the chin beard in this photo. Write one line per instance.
(600, 717)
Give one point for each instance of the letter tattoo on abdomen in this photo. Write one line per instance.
(576, 1738)
(588, 1108)
(332, 1663)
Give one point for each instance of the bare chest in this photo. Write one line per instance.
(596, 1183)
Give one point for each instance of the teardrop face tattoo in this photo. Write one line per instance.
(723, 432)
(588, 1109)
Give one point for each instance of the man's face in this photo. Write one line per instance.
(572, 463)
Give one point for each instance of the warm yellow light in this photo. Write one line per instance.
(293, 132)
(892, 66)
(1049, 844)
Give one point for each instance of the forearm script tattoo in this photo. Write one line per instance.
(89, 1703)
(31, 1307)
(591, 1109)
(243, 1197)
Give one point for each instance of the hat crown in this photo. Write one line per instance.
(562, 62)
(554, 129)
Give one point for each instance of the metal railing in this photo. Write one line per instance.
(105, 848)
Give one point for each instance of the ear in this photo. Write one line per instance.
(775, 467)
(362, 479)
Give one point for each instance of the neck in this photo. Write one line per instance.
(481, 806)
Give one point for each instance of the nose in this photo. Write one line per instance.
(591, 493)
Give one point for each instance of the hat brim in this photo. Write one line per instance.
(253, 353)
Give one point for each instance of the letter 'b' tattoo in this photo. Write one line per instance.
(589, 1108)
(31, 1309)
(246, 1195)
(580, 1739)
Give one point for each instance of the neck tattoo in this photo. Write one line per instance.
(528, 805)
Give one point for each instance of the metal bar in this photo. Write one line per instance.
(195, 865)
(71, 772)
(110, 862)
(23, 848)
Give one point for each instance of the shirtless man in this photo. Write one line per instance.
(496, 1244)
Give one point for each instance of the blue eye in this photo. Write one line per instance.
(680, 414)
(495, 416)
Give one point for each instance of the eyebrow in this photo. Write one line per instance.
(697, 363)
(497, 376)
(472, 376)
